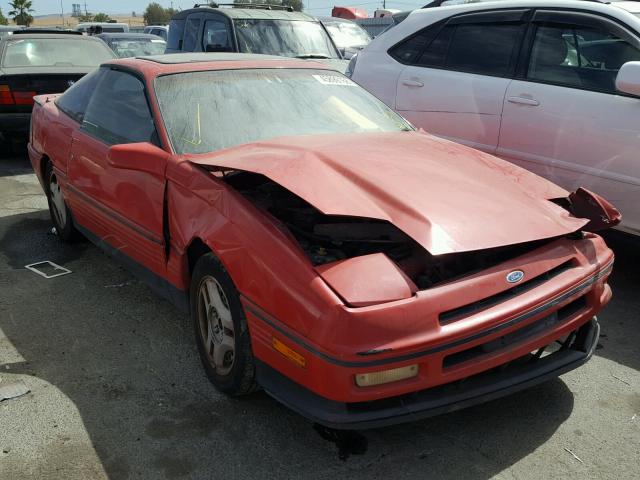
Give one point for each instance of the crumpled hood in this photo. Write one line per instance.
(447, 197)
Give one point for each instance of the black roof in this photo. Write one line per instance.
(27, 31)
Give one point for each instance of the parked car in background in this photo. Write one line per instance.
(250, 28)
(159, 30)
(137, 29)
(104, 27)
(361, 272)
(375, 26)
(552, 85)
(37, 63)
(348, 36)
(133, 44)
(8, 30)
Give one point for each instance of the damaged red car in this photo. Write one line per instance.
(359, 271)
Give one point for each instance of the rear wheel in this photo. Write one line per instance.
(221, 328)
(60, 213)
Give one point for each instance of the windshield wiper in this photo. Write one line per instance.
(313, 55)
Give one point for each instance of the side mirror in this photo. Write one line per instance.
(142, 157)
(628, 79)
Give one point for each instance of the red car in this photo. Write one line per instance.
(361, 272)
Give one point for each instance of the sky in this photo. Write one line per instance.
(313, 7)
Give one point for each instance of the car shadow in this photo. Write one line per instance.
(13, 152)
(127, 361)
(13, 165)
(620, 335)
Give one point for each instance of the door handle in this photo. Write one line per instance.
(524, 101)
(413, 83)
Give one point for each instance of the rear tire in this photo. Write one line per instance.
(221, 329)
(58, 209)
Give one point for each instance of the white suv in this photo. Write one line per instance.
(540, 83)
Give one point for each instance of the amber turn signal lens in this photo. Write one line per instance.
(386, 376)
(291, 354)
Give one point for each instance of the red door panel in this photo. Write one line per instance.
(123, 208)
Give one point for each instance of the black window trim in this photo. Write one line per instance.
(500, 15)
(139, 76)
(564, 16)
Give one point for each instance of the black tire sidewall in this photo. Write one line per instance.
(241, 379)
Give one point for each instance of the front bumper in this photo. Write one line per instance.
(504, 380)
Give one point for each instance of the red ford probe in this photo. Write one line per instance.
(354, 268)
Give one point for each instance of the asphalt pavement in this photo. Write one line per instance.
(117, 391)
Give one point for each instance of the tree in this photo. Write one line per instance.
(85, 18)
(156, 14)
(101, 17)
(3, 19)
(21, 12)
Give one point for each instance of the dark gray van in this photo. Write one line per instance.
(252, 28)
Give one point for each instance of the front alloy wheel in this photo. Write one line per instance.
(220, 328)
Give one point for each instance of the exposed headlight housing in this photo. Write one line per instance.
(386, 376)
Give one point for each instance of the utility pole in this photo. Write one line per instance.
(86, 14)
(384, 4)
(62, 12)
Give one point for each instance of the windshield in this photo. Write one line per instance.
(49, 52)
(289, 38)
(348, 35)
(220, 109)
(135, 47)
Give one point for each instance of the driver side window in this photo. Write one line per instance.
(118, 111)
(576, 56)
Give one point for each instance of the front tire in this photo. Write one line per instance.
(60, 213)
(221, 329)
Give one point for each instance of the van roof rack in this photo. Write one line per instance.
(261, 6)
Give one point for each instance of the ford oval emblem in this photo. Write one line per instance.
(515, 276)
